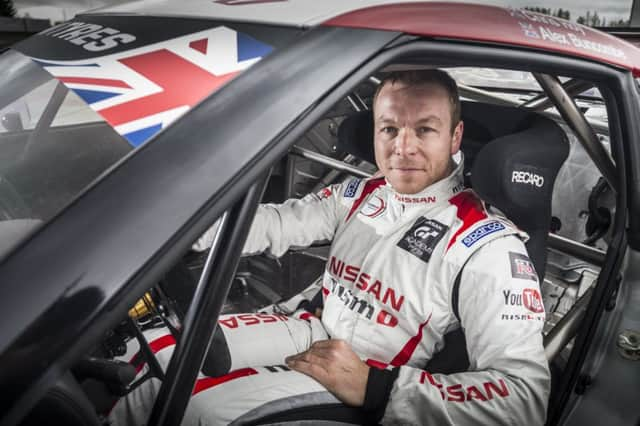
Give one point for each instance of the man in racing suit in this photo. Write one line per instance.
(399, 244)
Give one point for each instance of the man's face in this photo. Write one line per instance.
(412, 135)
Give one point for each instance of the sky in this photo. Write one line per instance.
(59, 10)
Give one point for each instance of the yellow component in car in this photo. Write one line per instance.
(143, 306)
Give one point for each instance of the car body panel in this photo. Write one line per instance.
(609, 370)
(141, 78)
(473, 22)
(297, 13)
(492, 24)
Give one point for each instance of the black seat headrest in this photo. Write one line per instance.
(355, 136)
(516, 174)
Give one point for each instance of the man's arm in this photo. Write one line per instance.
(295, 223)
(508, 380)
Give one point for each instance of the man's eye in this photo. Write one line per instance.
(424, 130)
(389, 130)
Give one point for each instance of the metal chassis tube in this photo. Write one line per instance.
(486, 96)
(586, 135)
(328, 161)
(572, 87)
(566, 329)
(201, 319)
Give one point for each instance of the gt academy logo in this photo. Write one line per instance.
(374, 207)
(522, 267)
(423, 237)
(352, 188)
(528, 178)
(481, 232)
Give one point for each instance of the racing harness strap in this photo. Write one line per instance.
(453, 358)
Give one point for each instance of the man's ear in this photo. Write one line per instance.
(456, 139)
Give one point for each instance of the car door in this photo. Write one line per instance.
(119, 236)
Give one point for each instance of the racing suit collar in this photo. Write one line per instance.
(435, 193)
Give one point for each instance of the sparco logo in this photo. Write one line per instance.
(351, 189)
(92, 37)
(482, 231)
(423, 237)
(527, 177)
(529, 298)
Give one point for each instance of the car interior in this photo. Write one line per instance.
(510, 118)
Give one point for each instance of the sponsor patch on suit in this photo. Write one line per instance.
(352, 188)
(522, 267)
(423, 237)
(481, 232)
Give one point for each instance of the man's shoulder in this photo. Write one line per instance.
(477, 224)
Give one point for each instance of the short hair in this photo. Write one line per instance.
(428, 76)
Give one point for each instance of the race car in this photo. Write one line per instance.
(128, 131)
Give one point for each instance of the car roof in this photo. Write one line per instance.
(475, 22)
(298, 13)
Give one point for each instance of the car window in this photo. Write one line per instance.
(52, 146)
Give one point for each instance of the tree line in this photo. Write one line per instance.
(591, 19)
(7, 8)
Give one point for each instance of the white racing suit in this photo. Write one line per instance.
(388, 292)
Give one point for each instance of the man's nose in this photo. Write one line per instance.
(406, 142)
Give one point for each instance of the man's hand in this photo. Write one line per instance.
(335, 366)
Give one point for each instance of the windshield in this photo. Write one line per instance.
(52, 146)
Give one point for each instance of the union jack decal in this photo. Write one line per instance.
(141, 91)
